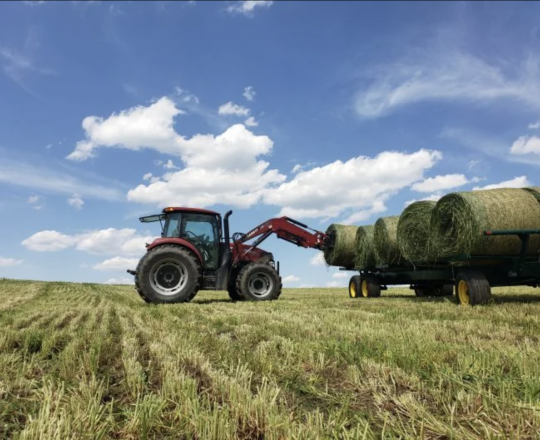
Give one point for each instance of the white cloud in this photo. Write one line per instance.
(18, 65)
(48, 146)
(439, 183)
(43, 179)
(117, 263)
(133, 129)
(221, 169)
(37, 202)
(7, 262)
(534, 126)
(124, 280)
(327, 191)
(359, 216)
(340, 275)
(446, 74)
(231, 108)
(306, 286)
(76, 201)
(516, 182)
(334, 284)
(186, 97)
(251, 122)
(170, 165)
(526, 145)
(290, 279)
(297, 168)
(249, 93)
(317, 259)
(246, 7)
(431, 198)
(99, 242)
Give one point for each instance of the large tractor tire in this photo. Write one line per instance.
(355, 287)
(472, 288)
(168, 274)
(258, 282)
(233, 293)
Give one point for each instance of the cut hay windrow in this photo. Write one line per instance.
(344, 251)
(385, 241)
(365, 252)
(413, 232)
(459, 220)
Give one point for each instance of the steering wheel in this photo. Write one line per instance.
(196, 237)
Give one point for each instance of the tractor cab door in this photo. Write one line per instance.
(202, 230)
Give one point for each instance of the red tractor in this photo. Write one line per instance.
(195, 253)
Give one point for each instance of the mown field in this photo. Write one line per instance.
(90, 361)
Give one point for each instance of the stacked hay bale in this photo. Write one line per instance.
(459, 220)
(344, 251)
(414, 239)
(365, 250)
(385, 241)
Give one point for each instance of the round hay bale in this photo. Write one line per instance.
(459, 220)
(365, 252)
(344, 250)
(385, 241)
(413, 235)
(535, 191)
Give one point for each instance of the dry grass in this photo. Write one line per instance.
(87, 361)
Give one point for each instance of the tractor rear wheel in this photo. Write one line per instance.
(472, 288)
(168, 274)
(355, 287)
(258, 282)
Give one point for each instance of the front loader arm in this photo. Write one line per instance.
(289, 230)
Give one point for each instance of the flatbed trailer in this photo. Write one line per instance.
(470, 276)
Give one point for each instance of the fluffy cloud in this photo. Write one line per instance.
(317, 259)
(534, 125)
(331, 190)
(340, 275)
(134, 129)
(251, 122)
(246, 7)
(170, 165)
(233, 109)
(37, 202)
(290, 279)
(526, 145)
(6, 262)
(517, 182)
(100, 242)
(445, 75)
(431, 198)
(439, 183)
(249, 93)
(76, 201)
(219, 169)
(117, 264)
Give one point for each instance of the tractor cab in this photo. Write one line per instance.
(199, 227)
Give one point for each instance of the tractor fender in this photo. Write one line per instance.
(176, 242)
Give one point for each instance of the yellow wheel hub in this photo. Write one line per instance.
(364, 288)
(463, 292)
(352, 289)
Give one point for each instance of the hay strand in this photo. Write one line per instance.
(413, 234)
(385, 241)
(344, 251)
(365, 252)
(459, 220)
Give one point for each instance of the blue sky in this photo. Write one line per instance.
(324, 111)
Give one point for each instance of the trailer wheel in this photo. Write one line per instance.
(258, 282)
(472, 288)
(355, 286)
(370, 286)
(168, 274)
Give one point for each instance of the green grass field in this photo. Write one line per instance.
(90, 361)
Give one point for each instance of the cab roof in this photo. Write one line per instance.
(181, 209)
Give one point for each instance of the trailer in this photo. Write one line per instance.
(471, 277)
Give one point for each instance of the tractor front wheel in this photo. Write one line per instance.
(168, 274)
(258, 282)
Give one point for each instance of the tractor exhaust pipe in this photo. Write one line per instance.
(226, 226)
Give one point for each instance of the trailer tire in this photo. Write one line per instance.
(168, 274)
(370, 286)
(472, 288)
(355, 284)
(258, 282)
